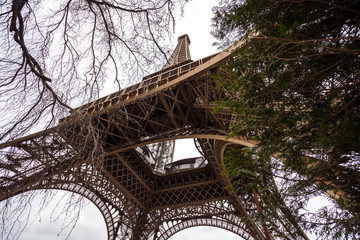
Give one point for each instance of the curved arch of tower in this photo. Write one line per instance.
(177, 226)
(132, 179)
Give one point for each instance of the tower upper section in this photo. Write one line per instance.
(181, 52)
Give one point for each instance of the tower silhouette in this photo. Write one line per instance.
(118, 154)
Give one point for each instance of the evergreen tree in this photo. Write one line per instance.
(295, 87)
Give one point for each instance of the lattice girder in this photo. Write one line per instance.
(171, 111)
(171, 104)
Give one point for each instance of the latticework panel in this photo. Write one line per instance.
(187, 195)
(137, 165)
(127, 178)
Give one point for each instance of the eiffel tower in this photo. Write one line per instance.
(129, 172)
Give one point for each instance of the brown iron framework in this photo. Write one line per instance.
(136, 203)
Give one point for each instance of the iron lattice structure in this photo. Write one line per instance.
(109, 157)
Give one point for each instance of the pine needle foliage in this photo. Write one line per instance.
(295, 87)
